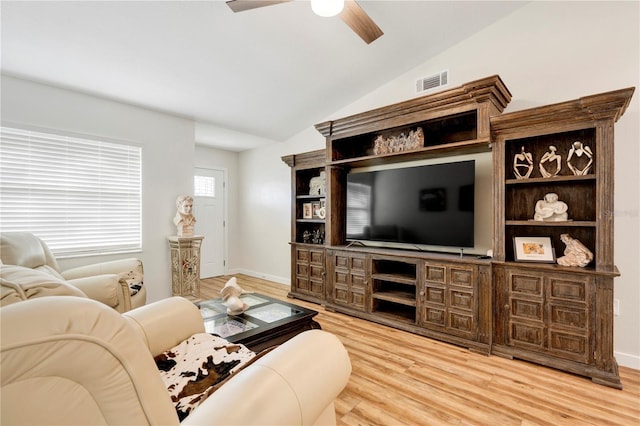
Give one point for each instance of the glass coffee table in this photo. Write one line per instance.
(267, 322)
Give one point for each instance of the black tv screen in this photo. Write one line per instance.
(424, 205)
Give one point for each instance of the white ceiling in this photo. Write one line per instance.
(253, 77)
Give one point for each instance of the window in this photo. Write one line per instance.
(204, 186)
(80, 196)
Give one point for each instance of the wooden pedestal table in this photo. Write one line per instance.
(185, 266)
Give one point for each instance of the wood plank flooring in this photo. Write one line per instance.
(402, 379)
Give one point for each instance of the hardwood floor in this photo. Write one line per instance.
(402, 379)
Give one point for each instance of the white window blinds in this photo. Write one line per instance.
(80, 196)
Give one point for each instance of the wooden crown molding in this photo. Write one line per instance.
(490, 89)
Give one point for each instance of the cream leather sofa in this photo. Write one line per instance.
(105, 282)
(73, 361)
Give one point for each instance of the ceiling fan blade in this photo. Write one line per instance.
(358, 20)
(242, 5)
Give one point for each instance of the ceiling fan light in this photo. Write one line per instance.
(327, 8)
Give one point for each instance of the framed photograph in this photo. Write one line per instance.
(316, 209)
(307, 211)
(533, 249)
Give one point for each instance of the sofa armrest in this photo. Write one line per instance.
(296, 383)
(103, 288)
(112, 267)
(164, 324)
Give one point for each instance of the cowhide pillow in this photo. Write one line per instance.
(195, 368)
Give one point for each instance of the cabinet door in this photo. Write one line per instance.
(349, 281)
(550, 313)
(448, 301)
(309, 272)
(316, 272)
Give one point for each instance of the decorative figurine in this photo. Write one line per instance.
(184, 220)
(576, 254)
(523, 164)
(318, 184)
(306, 235)
(398, 143)
(231, 293)
(550, 157)
(575, 156)
(550, 209)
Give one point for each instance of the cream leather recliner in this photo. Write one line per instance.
(72, 361)
(105, 282)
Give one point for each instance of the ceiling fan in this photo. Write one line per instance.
(350, 12)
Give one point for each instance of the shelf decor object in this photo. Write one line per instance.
(550, 157)
(533, 249)
(576, 153)
(522, 164)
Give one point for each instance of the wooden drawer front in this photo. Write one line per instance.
(357, 281)
(316, 287)
(569, 345)
(302, 283)
(357, 264)
(341, 278)
(341, 295)
(434, 295)
(526, 285)
(434, 316)
(316, 257)
(461, 323)
(461, 300)
(527, 309)
(302, 255)
(358, 299)
(569, 316)
(316, 271)
(527, 335)
(574, 291)
(302, 269)
(435, 273)
(341, 261)
(462, 276)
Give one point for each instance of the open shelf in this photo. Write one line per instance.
(397, 296)
(394, 311)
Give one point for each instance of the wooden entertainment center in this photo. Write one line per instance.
(559, 316)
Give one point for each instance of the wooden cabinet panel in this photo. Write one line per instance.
(348, 285)
(309, 272)
(449, 298)
(550, 313)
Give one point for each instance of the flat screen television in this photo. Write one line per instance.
(428, 205)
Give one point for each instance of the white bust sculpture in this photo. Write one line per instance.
(551, 209)
(576, 254)
(184, 219)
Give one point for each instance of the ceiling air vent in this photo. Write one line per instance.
(432, 81)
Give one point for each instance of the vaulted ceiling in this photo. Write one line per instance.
(269, 72)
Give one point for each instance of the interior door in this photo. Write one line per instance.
(209, 210)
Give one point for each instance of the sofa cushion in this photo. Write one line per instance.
(19, 283)
(195, 368)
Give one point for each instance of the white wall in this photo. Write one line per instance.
(167, 158)
(545, 52)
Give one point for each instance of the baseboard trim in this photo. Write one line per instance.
(628, 360)
(275, 279)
